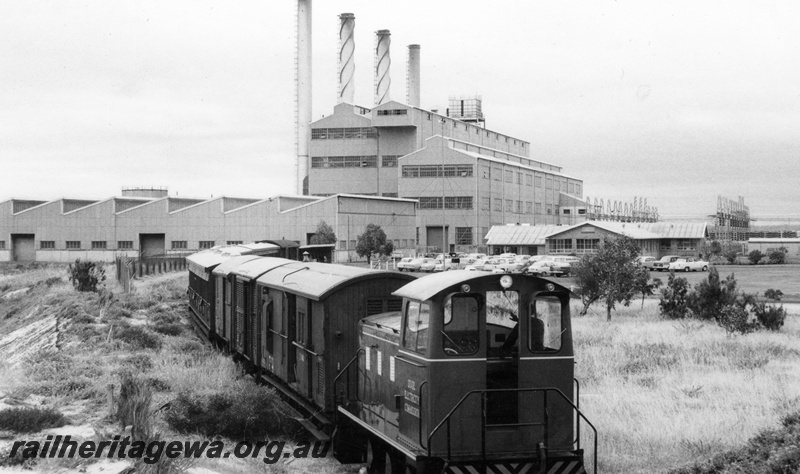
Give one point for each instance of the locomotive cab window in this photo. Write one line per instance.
(502, 322)
(545, 325)
(460, 334)
(416, 331)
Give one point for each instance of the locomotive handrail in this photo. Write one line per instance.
(483, 392)
(342, 372)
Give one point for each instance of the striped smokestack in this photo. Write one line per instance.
(382, 62)
(347, 65)
(412, 76)
(303, 84)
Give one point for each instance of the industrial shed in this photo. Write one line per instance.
(654, 238)
(64, 230)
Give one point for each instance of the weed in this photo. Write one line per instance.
(133, 406)
(694, 391)
(641, 358)
(57, 374)
(138, 337)
(139, 362)
(169, 329)
(30, 420)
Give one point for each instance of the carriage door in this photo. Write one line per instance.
(265, 330)
(502, 358)
(289, 322)
(240, 305)
(304, 355)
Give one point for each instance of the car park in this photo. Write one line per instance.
(662, 265)
(689, 264)
(413, 264)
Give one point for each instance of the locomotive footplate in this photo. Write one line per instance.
(554, 463)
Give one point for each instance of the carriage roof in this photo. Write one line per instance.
(426, 287)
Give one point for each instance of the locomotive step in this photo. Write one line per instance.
(312, 429)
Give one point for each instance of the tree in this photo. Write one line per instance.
(323, 235)
(643, 284)
(373, 241)
(610, 274)
(755, 256)
(86, 275)
(712, 295)
(715, 248)
(730, 255)
(673, 303)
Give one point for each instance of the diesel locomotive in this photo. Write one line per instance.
(460, 371)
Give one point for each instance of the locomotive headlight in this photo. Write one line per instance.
(506, 281)
(465, 288)
(551, 287)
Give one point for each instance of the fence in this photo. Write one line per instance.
(130, 268)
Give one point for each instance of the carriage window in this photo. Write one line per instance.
(460, 334)
(546, 330)
(416, 336)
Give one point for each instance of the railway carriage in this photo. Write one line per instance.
(454, 372)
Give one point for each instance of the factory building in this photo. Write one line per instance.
(466, 178)
(152, 224)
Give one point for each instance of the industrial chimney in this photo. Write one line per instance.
(412, 76)
(347, 64)
(382, 62)
(303, 84)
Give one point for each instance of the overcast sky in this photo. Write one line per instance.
(674, 101)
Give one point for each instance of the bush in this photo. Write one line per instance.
(85, 276)
(246, 412)
(673, 302)
(30, 420)
(730, 255)
(139, 337)
(735, 318)
(772, 294)
(133, 406)
(769, 316)
(777, 256)
(711, 295)
(755, 256)
(56, 374)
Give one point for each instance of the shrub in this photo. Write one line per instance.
(169, 329)
(30, 420)
(85, 276)
(139, 362)
(770, 316)
(244, 412)
(730, 255)
(55, 374)
(711, 295)
(755, 256)
(772, 294)
(673, 302)
(736, 318)
(139, 337)
(133, 406)
(777, 256)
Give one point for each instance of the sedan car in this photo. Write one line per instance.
(646, 262)
(429, 265)
(663, 264)
(689, 264)
(413, 264)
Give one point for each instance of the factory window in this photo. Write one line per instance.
(565, 212)
(205, 244)
(581, 212)
(548, 182)
(125, 244)
(549, 209)
(318, 162)
(498, 204)
(73, 244)
(463, 235)
(497, 174)
(561, 245)
(352, 161)
(458, 202)
(485, 172)
(233, 242)
(571, 188)
(538, 208)
(538, 181)
(528, 207)
(429, 116)
(352, 245)
(393, 112)
(577, 189)
(99, 244)
(486, 203)
(509, 176)
(529, 179)
(685, 244)
(47, 244)
(389, 161)
(519, 178)
(437, 171)
(587, 245)
(416, 237)
(389, 195)
(179, 244)
(509, 205)
(341, 133)
(2, 244)
(518, 209)
(430, 203)
(342, 245)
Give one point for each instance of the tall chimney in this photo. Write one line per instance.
(347, 64)
(303, 84)
(382, 62)
(412, 78)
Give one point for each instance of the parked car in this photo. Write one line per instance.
(689, 264)
(429, 265)
(564, 264)
(412, 264)
(448, 265)
(663, 264)
(646, 262)
(477, 265)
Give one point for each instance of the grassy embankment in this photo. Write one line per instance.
(666, 393)
(145, 336)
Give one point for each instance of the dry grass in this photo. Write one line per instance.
(663, 393)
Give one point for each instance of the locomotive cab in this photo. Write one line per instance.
(479, 372)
